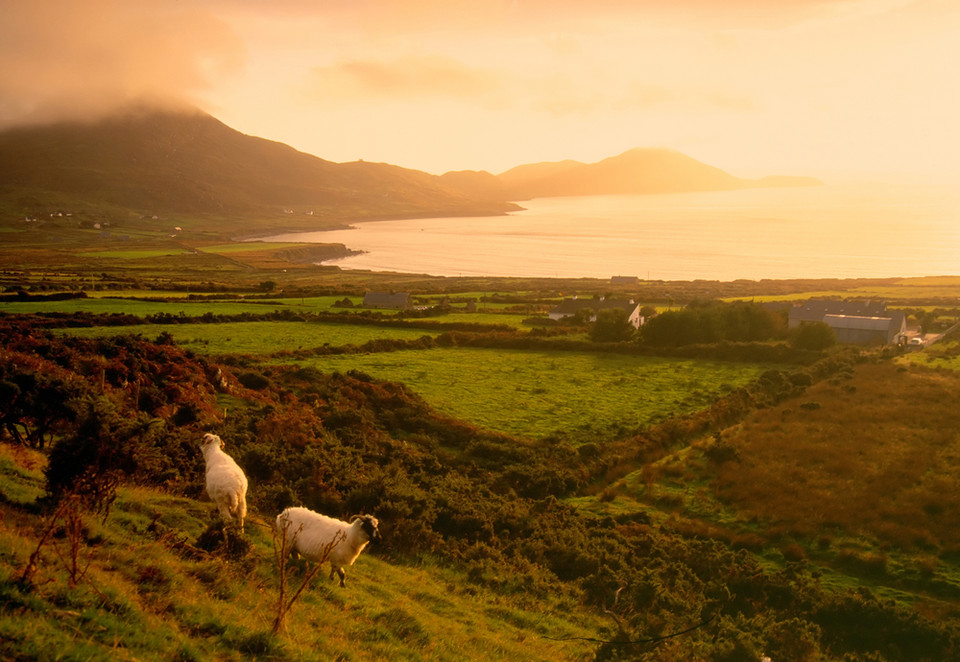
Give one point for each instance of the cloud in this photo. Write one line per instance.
(63, 58)
(408, 78)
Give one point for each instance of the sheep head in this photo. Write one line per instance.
(210, 439)
(369, 525)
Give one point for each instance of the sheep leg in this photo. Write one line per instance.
(225, 515)
(339, 572)
(237, 516)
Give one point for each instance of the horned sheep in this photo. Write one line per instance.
(312, 536)
(226, 482)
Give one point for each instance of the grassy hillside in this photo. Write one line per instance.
(147, 592)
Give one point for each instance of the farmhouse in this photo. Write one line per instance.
(394, 300)
(570, 307)
(854, 321)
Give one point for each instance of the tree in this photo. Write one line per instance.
(712, 322)
(35, 404)
(583, 316)
(927, 319)
(612, 325)
(814, 335)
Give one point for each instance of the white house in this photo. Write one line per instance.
(570, 307)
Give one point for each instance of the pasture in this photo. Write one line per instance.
(907, 290)
(136, 254)
(106, 305)
(535, 394)
(256, 338)
(944, 355)
(150, 302)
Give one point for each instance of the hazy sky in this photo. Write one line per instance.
(812, 87)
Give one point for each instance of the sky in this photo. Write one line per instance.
(826, 88)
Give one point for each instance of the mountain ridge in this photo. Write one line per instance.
(188, 162)
(191, 163)
(636, 171)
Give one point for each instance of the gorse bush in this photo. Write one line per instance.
(99, 456)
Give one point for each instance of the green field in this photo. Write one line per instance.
(944, 355)
(524, 393)
(534, 394)
(257, 338)
(247, 247)
(179, 304)
(137, 254)
(139, 308)
(916, 289)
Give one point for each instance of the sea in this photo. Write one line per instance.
(829, 231)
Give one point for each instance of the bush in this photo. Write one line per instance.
(814, 336)
(253, 381)
(93, 462)
(612, 325)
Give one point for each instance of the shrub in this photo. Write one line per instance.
(814, 336)
(612, 325)
(253, 381)
(105, 449)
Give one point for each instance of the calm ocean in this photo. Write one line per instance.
(833, 231)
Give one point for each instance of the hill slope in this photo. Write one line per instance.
(635, 171)
(189, 162)
(153, 161)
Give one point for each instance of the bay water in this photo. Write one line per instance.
(830, 231)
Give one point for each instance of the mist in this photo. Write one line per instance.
(61, 59)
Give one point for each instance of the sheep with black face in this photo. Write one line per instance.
(313, 535)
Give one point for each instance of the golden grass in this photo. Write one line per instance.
(880, 456)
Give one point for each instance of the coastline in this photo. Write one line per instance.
(762, 233)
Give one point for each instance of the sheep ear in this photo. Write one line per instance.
(355, 518)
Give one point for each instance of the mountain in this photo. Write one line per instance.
(153, 161)
(640, 170)
(189, 162)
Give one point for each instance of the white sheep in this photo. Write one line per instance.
(310, 534)
(226, 483)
